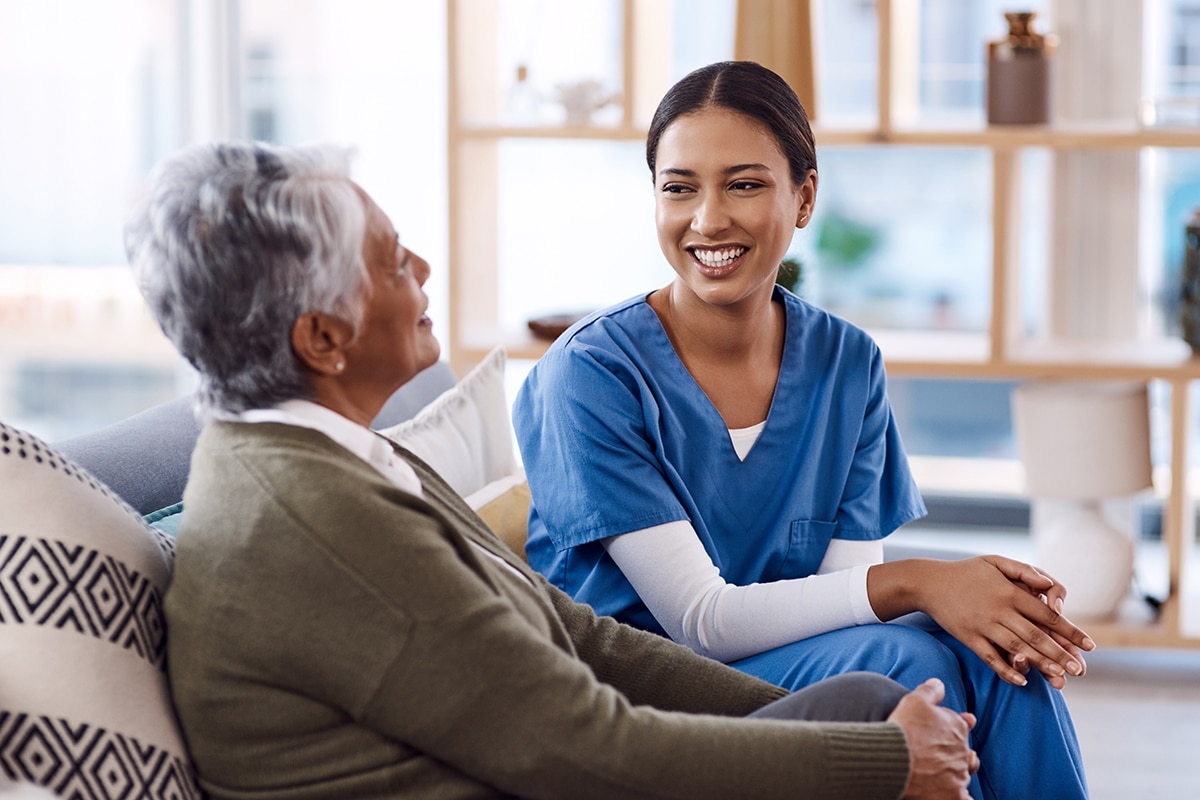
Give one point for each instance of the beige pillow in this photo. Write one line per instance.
(504, 506)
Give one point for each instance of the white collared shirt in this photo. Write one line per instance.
(360, 441)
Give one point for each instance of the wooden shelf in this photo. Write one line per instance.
(476, 342)
(1076, 136)
(1135, 627)
(966, 355)
(1000, 353)
(953, 354)
(1132, 634)
(587, 133)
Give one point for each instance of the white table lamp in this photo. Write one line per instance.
(1083, 443)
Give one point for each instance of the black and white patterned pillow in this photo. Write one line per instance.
(85, 709)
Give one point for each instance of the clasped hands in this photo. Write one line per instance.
(1008, 612)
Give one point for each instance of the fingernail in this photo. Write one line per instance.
(1020, 680)
(1058, 604)
(1074, 668)
(1088, 644)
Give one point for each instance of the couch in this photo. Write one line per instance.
(86, 549)
(87, 531)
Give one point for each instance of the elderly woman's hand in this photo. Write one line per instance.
(942, 761)
(1008, 612)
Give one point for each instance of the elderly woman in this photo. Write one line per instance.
(342, 625)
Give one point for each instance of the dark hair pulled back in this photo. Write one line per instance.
(746, 88)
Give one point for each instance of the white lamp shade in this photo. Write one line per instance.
(1083, 440)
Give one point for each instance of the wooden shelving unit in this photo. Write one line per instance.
(1002, 353)
(475, 132)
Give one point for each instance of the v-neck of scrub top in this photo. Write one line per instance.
(760, 499)
(713, 416)
(744, 438)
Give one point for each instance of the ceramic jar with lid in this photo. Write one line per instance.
(1018, 73)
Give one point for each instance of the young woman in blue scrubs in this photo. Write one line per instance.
(717, 461)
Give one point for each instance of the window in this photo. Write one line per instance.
(1184, 64)
(365, 73)
(95, 94)
(91, 98)
(902, 236)
(104, 91)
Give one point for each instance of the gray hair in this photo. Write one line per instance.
(232, 244)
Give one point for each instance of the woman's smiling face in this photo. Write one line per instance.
(725, 204)
(395, 340)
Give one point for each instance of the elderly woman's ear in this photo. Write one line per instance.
(320, 342)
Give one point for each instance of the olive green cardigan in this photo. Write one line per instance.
(331, 636)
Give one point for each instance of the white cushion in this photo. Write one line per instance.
(84, 703)
(466, 433)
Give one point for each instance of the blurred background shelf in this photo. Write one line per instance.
(1077, 177)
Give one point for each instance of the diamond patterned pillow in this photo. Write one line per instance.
(84, 704)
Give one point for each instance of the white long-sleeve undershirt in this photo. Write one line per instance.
(681, 586)
(677, 580)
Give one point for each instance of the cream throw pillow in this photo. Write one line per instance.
(465, 434)
(504, 506)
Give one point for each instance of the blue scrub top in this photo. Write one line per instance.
(617, 436)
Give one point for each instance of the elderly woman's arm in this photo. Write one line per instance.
(488, 690)
(652, 670)
(359, 604)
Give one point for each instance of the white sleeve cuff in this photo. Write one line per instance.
(846, 553)
(860, 601)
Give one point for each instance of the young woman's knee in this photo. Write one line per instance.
(916, 656)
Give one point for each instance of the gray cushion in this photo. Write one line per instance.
(145, 459)
(415, 395)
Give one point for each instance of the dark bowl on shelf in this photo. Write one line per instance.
(552, 326)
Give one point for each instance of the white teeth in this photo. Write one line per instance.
(718, 258)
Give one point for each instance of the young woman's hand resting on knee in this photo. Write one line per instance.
(1008, 612)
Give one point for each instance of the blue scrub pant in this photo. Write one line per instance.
(1024, 736)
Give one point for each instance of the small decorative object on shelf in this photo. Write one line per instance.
(523, 101)
(552, 326)
(1189, 290)
(1018, 73)
(581, 99)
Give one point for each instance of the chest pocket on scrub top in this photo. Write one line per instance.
(808, 539)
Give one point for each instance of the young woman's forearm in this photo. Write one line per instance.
(677, 580)
(896, 588)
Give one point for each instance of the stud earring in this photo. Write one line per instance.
(339, 366)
